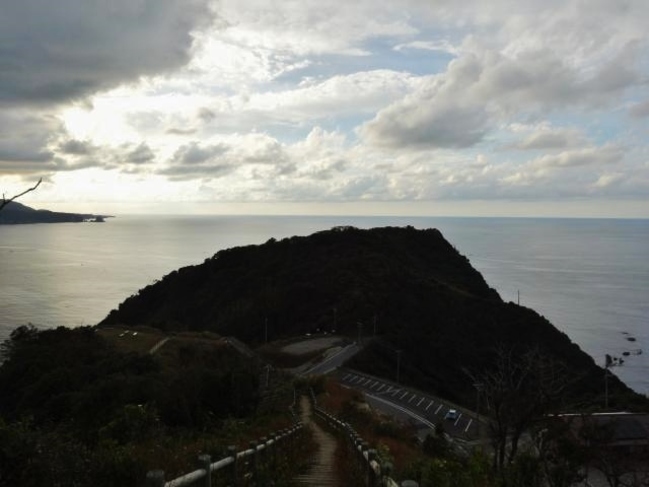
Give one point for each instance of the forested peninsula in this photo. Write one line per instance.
(15, 213)
(408, 295)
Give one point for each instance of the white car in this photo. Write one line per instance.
(451, 415)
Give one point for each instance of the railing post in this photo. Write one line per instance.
(386, 472)
(255, 453)
(362, 450)
(263, 454)
(155, 478)
(205, 462)
(275, 453)
(232, 452)
(371, 454)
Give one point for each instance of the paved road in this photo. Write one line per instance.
(158, 345)
(334, 361)
(423, 410)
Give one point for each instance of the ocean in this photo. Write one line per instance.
(589, 277)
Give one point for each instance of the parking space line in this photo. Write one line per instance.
(440, 407)
(429, 404)
(381, 388)
(367, 382)
(395, 392)
(404, 395)
(457, 420)
(376, 383)
(357, 378)
(345, 376)
(420, 401)
(468, 425)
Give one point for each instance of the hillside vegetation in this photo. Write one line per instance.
(429, 303)
(82, 407)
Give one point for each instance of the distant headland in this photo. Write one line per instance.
(16, 213)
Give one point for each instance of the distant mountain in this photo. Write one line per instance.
(16, 213)
(430, 308)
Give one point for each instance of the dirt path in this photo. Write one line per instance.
(322, 470)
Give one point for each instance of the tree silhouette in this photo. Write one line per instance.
(519, 389)
(5, 201)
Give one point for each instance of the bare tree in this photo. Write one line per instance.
(5, 201)
(518, 390)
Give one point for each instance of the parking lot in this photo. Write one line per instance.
(421, 408)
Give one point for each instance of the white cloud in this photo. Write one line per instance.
(545, 137)
(481, 88)
(299, 100)
(224, 155)
(640, 110)
(424, 123)
(437, 45)
(303, 27)
(354, 94)
(609, 179)
(608, 154)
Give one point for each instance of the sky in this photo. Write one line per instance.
(420, 107)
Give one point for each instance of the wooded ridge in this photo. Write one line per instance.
(409, 290)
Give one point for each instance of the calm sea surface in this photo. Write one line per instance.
(590, 278)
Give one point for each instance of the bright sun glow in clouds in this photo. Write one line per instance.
(506, 108)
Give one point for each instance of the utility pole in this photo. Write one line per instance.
(606, 387)
(609, 362)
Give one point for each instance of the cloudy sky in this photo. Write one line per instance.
(499, 107)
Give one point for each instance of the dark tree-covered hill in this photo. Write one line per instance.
(15, 213)
(429, 303)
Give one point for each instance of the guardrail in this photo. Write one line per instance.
(238, 468)
(376, 473)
